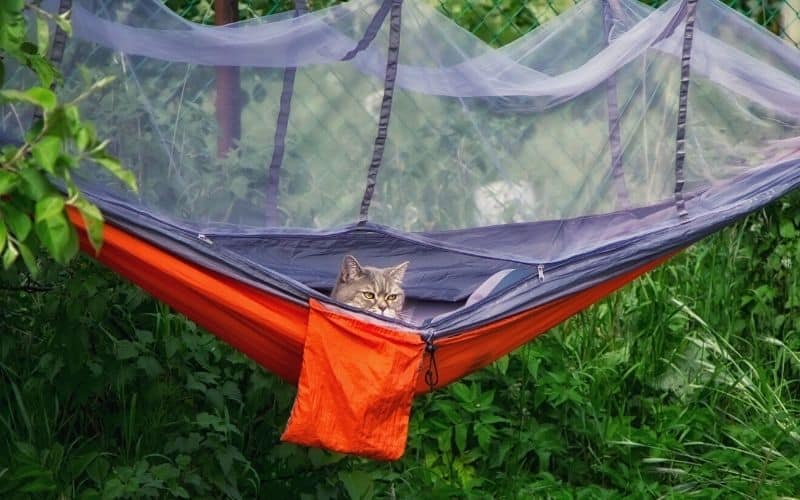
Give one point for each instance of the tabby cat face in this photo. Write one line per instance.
(377, 290)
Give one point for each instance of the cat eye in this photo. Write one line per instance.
(368, 295)
(391, 297)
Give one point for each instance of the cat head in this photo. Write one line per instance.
(377, 290)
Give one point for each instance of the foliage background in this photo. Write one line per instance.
(685, 383)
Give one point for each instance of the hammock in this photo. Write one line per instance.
(522, 183)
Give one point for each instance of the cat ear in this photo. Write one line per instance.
(351, 269)
(397, 272)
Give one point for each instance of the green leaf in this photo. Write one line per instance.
(63, 22)
(225, 461)
(150, 366)
(787, 229)
(72, 118)
(145, 336)
(35, 186)
(41, 484)
(484, 434)
(39, 96)
(502, 364)
(3, 234)
(44, 69)
(57, 235)
(462, 392)
(29, 48)
(50, 206)
(93, 219)
(358, 484)
(13, 24)
(113, 488)
(8, 181)
(83, 138)
(179, 491)
(98, 469)
(46, 151)
(42, 34)
(114, 167)
(2, 73)
(29, 259)
(12, 6)
(9, 256)
(18, 222)
(126, 349)
(461, 436)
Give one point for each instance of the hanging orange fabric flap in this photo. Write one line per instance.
(356, 384)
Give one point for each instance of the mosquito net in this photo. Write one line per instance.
(275, 137)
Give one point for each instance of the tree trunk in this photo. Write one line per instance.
(228, 102)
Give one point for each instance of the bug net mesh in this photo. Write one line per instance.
(577, 118)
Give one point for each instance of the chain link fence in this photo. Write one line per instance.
(499, 22)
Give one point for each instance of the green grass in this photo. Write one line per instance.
(685, 383)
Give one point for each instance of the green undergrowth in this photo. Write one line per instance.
(683, 384)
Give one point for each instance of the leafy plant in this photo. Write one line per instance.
(36, 173)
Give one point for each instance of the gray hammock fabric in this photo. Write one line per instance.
(610, 136)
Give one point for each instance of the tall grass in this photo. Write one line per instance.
(685, 383)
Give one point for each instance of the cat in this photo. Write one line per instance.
(377, 290)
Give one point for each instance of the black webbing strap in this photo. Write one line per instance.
(279, 148)
(279, 141)
(56, 49)
(614, 142)
(680, 139)
(371, 31)
(386, 107)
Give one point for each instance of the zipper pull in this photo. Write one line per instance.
(540, 268)
(205, 239)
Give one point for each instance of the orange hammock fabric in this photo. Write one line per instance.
(356, 377)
